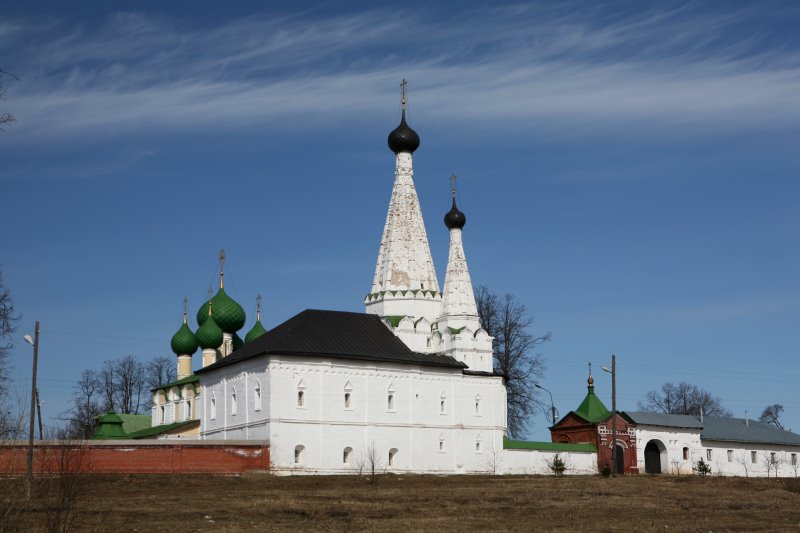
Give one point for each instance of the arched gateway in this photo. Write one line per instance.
(654, 452)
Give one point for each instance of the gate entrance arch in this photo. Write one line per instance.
(619, 459)
(655, 457)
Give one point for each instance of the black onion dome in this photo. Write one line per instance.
(455, 219)
(403, 138)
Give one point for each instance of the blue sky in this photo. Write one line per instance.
(629, 171)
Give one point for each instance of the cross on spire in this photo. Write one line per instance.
(185, 306)
(453, 185)
(258, 307)
(210, 294)
(222, 269)
(403, 91)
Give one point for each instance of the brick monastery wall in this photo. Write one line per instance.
(136, 457)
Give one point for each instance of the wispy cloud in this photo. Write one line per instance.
(570, 71)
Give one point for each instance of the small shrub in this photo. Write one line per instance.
(605, 470)
(702, 468)
(557, 465)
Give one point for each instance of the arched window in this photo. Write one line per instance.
(301, 398)
(257, 396)
(393, 457)
(478, 444)
(233, 402)
(298, 454)
(161, 413)
(442, 444)
(188, 413)
(390, 401)
(348, 400)
(346, 455)
(686, 454)
(443, 403)
(213, 413)
(477, 404)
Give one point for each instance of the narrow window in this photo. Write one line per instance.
(213, 407)
(708, 454)
(478, 444)
(477, 405)
(772, 458)
(298, 454)
(730, 456)
(442, 403)
(188, 409)
(233, 403)
(686, 454)
(392, 456)
(161, 413)
(257, 396)
(346, 455)
(794, 458)
(301, 399)
(754, 457)
(390, 402)
(348, 402)
(429, 342)
(442, 444)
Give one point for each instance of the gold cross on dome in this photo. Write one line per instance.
(221, 269)
(453, 185)
(185, 307)
(258, 307)
(403, 91)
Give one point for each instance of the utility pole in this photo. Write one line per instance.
(33, 409)
(613, 373)
(39, 413)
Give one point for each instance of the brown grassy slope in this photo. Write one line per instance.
(422, 503)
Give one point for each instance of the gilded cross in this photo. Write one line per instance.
(453, 185)
(403, 90)
(185, 307)
(221, 268)
(258, 307)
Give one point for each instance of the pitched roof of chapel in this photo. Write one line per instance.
(335, 334)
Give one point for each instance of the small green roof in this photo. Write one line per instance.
(591, 408)
(157, 430)
(184, 341)
(183, 381)
(509, 444)
(120, 426)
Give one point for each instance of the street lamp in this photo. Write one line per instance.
(35, 343)
(552, 405)
(613, 373)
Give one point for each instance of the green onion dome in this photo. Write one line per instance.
(255, 332)
(228, 314)
(237, 341)
(184, 341)
(209, 334)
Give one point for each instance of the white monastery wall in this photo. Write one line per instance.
(671, 442)
(750, 460)
(537, 462)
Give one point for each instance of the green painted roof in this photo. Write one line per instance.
(394, 320)
(509, 444)
(183, 381)
(255, 332)
(592, 409)
(157, 430)
(114, 426)
(184, 341)
(228, 314)
(209, 334)
(456, 331)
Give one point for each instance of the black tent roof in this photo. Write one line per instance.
(335, 334)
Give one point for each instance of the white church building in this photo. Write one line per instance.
(408, 386)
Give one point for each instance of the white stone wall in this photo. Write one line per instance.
(770, 460)
(674, 441)
(426, 437)
(537, 462)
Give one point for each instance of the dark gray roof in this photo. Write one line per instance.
(662, 419)
(736, 430)
(335, 334)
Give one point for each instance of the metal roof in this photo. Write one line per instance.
(335, 334)
(738, 430)
(663, 419)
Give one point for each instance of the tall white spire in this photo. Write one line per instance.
(460, 334)
(458, 298)
(405, 282)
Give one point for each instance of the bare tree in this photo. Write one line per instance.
(5, 118)
(514, 353)
(8, 324)
(160, 371)
(86, 407)
(122, 384)
(743, 459)
(683, 399)
(772, 415)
